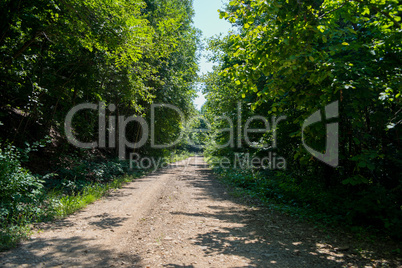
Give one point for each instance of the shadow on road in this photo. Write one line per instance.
(265, 238)
(73, 251)
(262, 237)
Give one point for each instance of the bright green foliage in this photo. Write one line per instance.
(58, 54)
(176, 72)
(293, 58)
(20, 190)
(54, 55)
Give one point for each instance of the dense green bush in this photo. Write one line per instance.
(20, 190)
(94, 171)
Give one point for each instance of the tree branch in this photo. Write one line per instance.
(382, 12)
(331, 11)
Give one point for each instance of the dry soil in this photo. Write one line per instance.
(183, 217)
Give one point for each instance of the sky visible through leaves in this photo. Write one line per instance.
(207, 20)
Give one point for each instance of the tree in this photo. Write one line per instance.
(293, 58)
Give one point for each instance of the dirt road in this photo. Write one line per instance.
(181, 217)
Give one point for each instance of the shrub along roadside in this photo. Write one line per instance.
(54, 205)
(19, 191)
(307, 201)
(26, 199)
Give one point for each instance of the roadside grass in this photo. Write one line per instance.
(64, 205)
(281, 194)
(58, 205)
(63, 198)
(11, 235)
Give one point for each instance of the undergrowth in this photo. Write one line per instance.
(27, 199)
(307, 201)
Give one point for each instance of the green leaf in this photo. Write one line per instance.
(366, 11)
(321, 28)
(362, 164)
